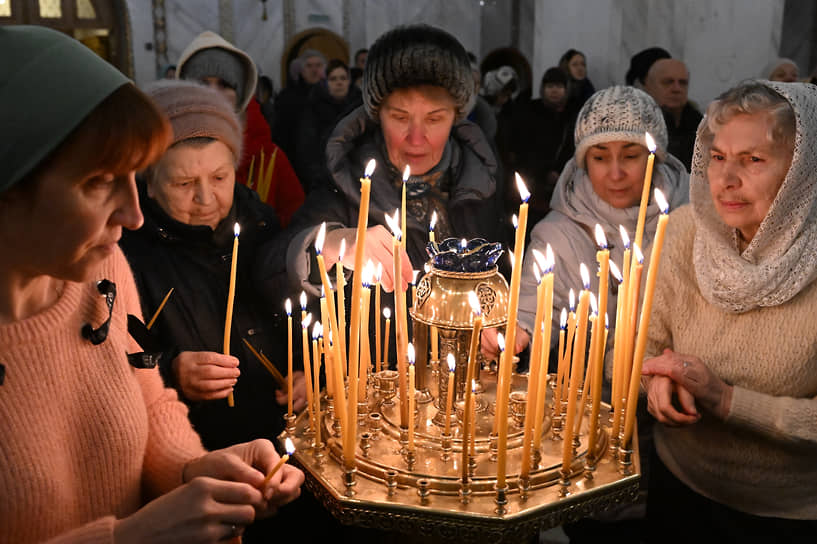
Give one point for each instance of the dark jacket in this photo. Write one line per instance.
(321, 115)
(289, 109)
(195, 261)
(681, 138)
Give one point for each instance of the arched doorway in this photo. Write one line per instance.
(102, 25)
(321, 39)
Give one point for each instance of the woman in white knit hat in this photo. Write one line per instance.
(733, 378)
(601, 184)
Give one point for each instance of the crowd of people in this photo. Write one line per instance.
(119, 196)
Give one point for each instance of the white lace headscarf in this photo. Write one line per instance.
(781, 259)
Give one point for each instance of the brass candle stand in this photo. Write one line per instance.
(425, 491)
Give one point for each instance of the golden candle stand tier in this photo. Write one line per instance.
(427, 501)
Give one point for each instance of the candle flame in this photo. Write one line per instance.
(237, 229)
(452, 365)
(661, 201)
(585, 275)
(520, 186)
(510, 256)
(473, 386)
(387, 313)
(515, 221)
(320, 238)
(289, 446)
(427, 268)
(542, 261)
(379, 273)
(536, 273)
(637, 254)
(473, 300)
(625, 238)
(317, 330)
(606, 321)
(410, 353)
(342, 251)
(323, 292)
(563, 319)
(414, 274)
(288, 306)
(303, 300)
(551, 259)
(306, 321)
(571, 296)
(601, 239)
(500, 340)
(406, 173)
(614, 270)
(594, 306)
(394, 224)
(330, 337)
(463, 243)
(650, 142)
(433, 222)
(370, 168)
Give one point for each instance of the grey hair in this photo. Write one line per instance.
(751, 98)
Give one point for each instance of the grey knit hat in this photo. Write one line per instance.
(197, 111)
(619, 113)
(35, 120)
(408, 56)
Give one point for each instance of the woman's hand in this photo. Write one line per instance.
(693, 383)
(205, 375)
(490, 346)
(378, 249)
(298, 392)
(249, 463)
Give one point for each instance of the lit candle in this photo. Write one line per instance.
(645, 191)
(316, 370)
(327, 285)
(340, 284)
(470, 375)
(365, 347)
(603, 258)
(290, 447)
(411, 396)
(644, 322)
(571, 333)
(288, 308)
(579, 341)
(354, 330)
(544, 352)
(399, 315)
(618, 351)
(510, 331)
(449, 397)
(228, 322)
(387, 315)
(632, 315)
(307, 368)
(560, 370)
(378, 346)
(326, 349)
(431, 225)
(533, 373)
(590, 371)
(403, 225)
(159, 310)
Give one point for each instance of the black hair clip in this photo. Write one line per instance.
(106, 288)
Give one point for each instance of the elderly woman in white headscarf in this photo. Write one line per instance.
(733, 340)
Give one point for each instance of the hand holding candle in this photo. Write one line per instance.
(290, 447)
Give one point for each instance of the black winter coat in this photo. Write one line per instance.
(195, 261)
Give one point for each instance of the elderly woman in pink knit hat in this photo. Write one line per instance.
(94, 447)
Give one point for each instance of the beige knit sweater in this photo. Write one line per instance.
(84, 437)
(763, 458)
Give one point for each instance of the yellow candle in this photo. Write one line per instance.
(603, 258)
(435, 344)
(340, 284)
(568, 354)
(387, 315)
(290, 447)
(579, 341)
(632, 315)
(365, 347)
(449, 397)
(228, 322)
(533, 374)
(645, 191)
(354, 329)
(615, 395)
(159, 310)
(403, 225)
(411, 396)
(400, 315)
(377, 342)
(340, 403)
(544, 353)
(325, 348)
(560, 361)
(470, 375)
(316, 369)
(644, 323)
(307, 368)
(288, 307)
(327, 286)
(588, 370)
(507, 359)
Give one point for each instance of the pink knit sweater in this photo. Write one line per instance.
(84, 437)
